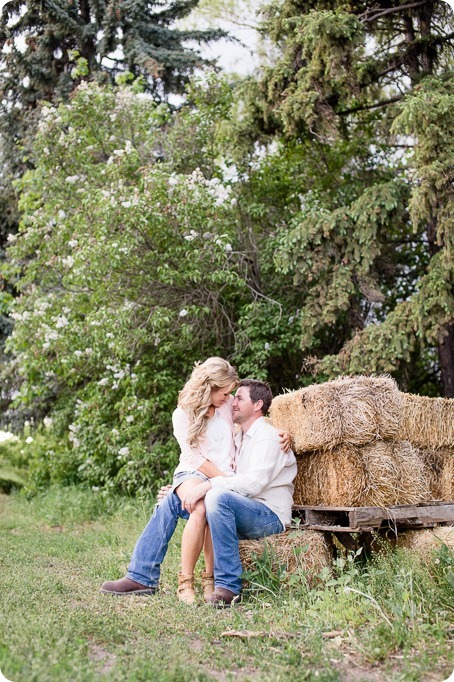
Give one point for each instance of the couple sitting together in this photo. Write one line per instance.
(229, 487)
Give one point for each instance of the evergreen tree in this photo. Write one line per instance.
(367, 88)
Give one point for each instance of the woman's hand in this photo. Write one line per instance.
(286, 440)
(194, 495)
(165, 490)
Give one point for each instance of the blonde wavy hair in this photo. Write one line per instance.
(195, 396)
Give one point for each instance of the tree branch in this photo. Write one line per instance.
(366, 18)
(364, 107)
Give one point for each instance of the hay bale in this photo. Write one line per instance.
(439, 472)
(427, 422)
(307, 550)
(336, 479)
(349, 410)
(371, 408)
(379, 474)
(312, 415)
(422, 542)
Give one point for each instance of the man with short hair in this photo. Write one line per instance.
(254, 503)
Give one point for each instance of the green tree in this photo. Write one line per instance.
(136, 256)
(48, 47)
(367, 90)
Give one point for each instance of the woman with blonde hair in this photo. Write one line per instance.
(203, 427)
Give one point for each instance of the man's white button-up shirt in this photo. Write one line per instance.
(264, 471)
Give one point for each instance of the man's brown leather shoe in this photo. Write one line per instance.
(223, 598)
(126, 586)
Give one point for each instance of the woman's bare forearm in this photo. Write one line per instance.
(210, 470)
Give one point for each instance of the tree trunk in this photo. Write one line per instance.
(446, 357)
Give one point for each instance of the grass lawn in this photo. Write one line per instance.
(57, 548)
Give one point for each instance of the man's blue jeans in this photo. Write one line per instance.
(151, 547)
(231, 518)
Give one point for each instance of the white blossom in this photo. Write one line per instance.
(78, 353)
(73, 243)
(29, 440)
(103, 382)
(51, 335)
(47, 421)
(192, 235)
(61, 214)
(123, 452)
(7, 435)
(130, 418)
(72, 179)
(69, 261)
(126, 204)
(62, 321)
(11, 237)
(183, 312)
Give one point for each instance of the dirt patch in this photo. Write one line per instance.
(106, 660)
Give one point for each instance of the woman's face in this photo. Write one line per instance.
(220, 395)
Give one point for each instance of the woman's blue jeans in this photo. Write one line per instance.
(231, 518)
(151, 547)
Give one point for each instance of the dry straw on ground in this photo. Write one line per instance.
(379, 474)
(307, 550)
(350, 410)
(439, 472)
(428, 422)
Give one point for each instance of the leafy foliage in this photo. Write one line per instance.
(129, 270)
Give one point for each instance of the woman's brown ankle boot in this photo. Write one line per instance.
(207, 584)
(185, 589)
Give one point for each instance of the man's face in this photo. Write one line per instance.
(243, 407)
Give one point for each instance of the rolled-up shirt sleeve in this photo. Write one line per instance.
(189, 455)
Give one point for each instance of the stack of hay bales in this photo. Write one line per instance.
(428, 423)
(357, 443)
(307, 550)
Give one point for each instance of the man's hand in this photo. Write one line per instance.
(286, 440)
(194, 495)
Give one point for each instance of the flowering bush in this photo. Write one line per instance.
(129, 270)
